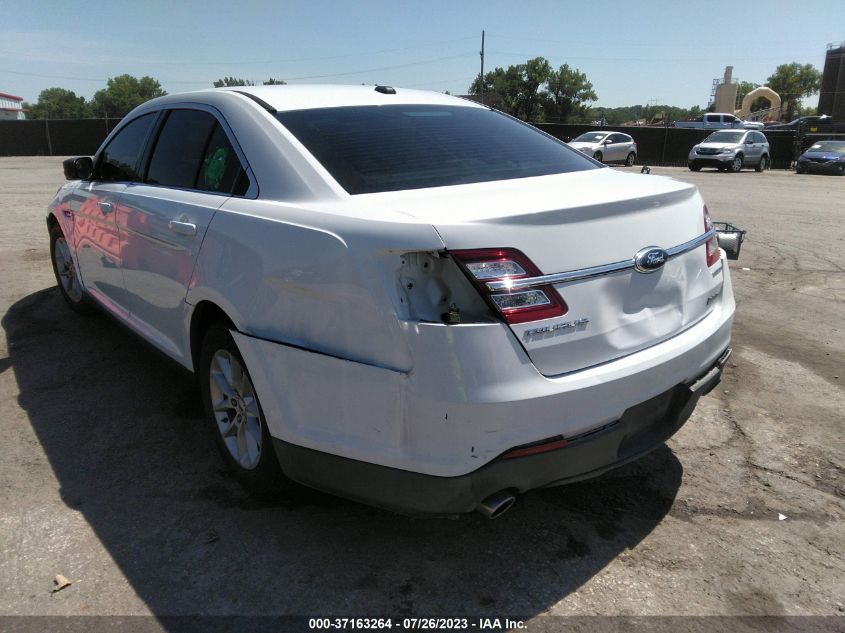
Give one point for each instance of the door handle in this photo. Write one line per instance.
(105, 207)
(182, 228)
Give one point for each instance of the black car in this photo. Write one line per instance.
(811, 123)
(823, 156)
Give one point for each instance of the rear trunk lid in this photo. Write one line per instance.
(575, 221)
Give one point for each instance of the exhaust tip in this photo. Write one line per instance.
(496, 504)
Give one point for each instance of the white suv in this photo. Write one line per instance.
(398, 296)
(731, 150)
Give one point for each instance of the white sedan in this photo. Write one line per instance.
(398, 296)
(607, 147)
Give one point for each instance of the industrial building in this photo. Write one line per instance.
(11, 108)
(832, 97)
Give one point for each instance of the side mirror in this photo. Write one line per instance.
(78, 168)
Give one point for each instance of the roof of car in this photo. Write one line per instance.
(305, 97)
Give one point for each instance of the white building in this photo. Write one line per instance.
(10, 108)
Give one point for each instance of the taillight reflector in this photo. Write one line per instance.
(500, 264)
(534, 449)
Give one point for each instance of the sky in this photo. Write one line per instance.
(634, 52)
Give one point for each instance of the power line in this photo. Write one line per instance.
(302, 77)
(307, 59)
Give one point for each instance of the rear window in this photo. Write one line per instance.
(371, 149)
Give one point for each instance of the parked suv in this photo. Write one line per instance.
(398, 296)
(731, 150)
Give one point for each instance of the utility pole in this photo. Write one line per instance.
(481, 83)
(47, 131)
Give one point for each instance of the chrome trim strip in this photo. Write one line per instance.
(593, 271)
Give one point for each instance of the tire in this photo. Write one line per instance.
(67, 276)
(799, 169)
(597, 156)
(736, 165)
(694, 166)
(763, 164)
(235, 415)
(630, 159)
(840, 170)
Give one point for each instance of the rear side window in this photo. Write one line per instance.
(119, 159)
(192, 152)
(221, 169)
(370, 149)
(180, 148)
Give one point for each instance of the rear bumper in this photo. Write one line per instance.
(472, 395)
(639, 430)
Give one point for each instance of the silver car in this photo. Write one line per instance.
(607, 147)
(731, 150)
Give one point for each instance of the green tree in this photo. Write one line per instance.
(793, 82)
(229, 82)
(567, 94)
(123, 93)
(59, 103)
(518, 86)
(744, 88)
(273, 82)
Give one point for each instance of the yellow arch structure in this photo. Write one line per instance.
(763, 91)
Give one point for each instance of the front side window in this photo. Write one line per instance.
(119, 159)
(370, 149)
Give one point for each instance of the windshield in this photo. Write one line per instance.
(370, 149)
(590, 137)
(828, 146)
(725, 137)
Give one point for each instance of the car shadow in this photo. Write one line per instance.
(124, 434)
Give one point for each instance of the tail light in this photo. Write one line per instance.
(713, 243)
(501, 264)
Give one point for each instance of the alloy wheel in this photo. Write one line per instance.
(66, 270)
(235, 409)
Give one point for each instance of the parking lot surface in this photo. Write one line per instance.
(109, 476)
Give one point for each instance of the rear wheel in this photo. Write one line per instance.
(736, 165)
(799, 169)
(764, 164)
(597, 156)
(629, 161)
(232, 408)
(67, 276)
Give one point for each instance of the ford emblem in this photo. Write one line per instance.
(649, 259)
